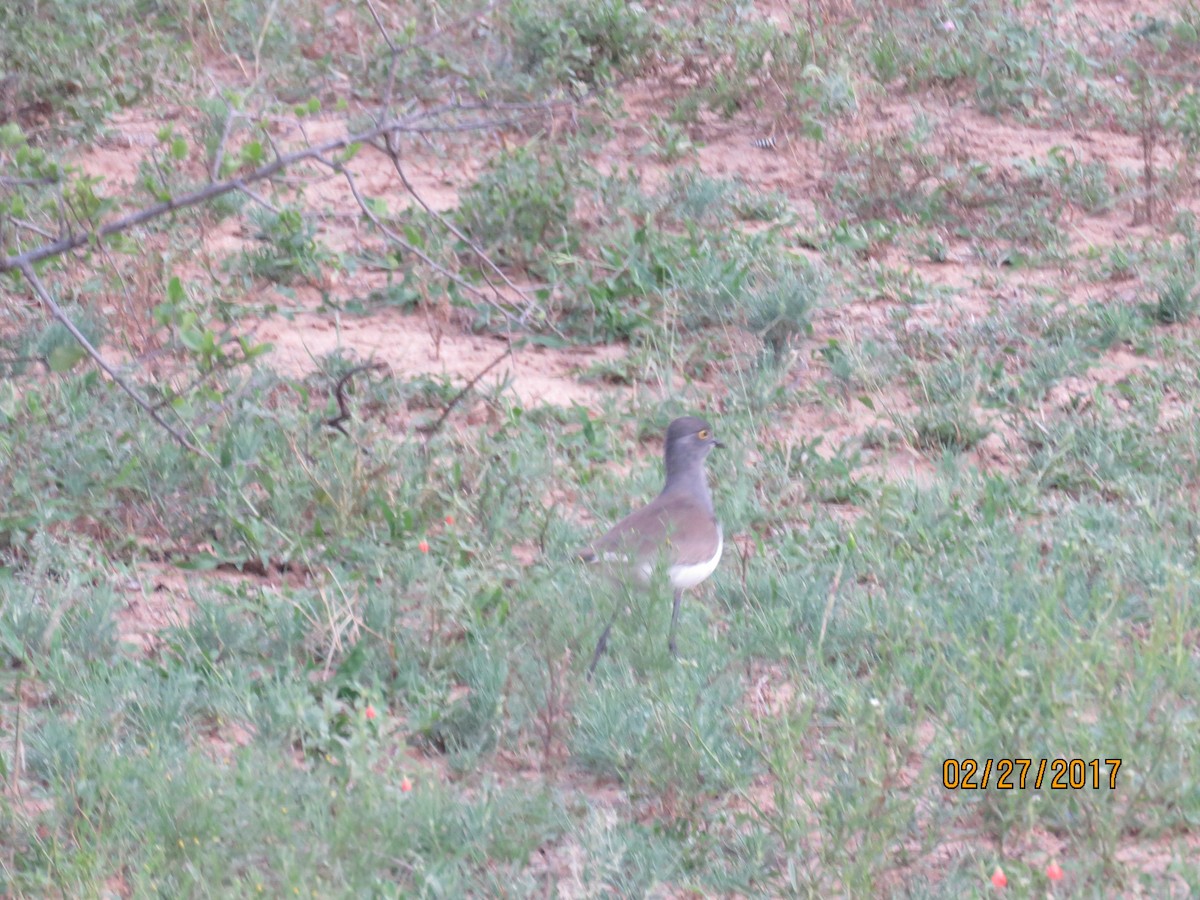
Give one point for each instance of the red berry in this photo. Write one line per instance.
(370, 712)
(999, 879)
(423, 546)
(1054, 872)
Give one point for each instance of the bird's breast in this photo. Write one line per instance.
(688, 575)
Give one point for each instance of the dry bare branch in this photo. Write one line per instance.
(8, 181)
(414, 124)
(393, 153)
(340, 393)
(433, 429)
(57, 311)
(219, 154)
(422, 255)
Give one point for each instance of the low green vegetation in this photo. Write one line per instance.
(340, 650)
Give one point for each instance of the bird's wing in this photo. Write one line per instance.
(643, 533)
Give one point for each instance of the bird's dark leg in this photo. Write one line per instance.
(601, 645)
(674, 622)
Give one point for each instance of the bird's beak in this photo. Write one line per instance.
(718, 445)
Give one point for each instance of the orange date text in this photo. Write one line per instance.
(1020, 774)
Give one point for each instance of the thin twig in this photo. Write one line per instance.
(9, 181)
(219, 155)
(382, 28)
(57, 311)
(411, 124)
(416, 251)
(340, 392)
(394, 153)
(433, 429)
(829, 603)
(395, 53)
(260, 199)
(27, 270)
(29, 226)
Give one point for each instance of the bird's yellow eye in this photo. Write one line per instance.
(702, 434)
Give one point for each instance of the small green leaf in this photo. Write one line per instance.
(11, 135)
(64, 357)
(179, 148)
(252, 350)
(414, 236)
(192, 338)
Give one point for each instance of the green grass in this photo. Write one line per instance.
(955, 387)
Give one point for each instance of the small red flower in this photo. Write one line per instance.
(449, 520)
(999, 879)
(1054, 872)
(423, 546)
(405, 784)
(370, 712)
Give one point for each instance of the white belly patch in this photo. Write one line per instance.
(684, 577)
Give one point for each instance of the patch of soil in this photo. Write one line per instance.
(1117, 365)
(158, 598)
(412, 345)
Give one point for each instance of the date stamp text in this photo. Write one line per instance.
(1020, 774)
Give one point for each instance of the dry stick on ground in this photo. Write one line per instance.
(29, 226)
(23, 262)
(18, 360)
(433, 429)
(219, 154)
(830, 600)
(26, 269)
(393, 153)
(340, 392)
(416, 251)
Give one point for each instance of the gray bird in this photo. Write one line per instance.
(678, 528)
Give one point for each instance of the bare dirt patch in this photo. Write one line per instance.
(160, 597)
(129, 140)
(411, 347)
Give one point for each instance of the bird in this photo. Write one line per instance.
(678, 528)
